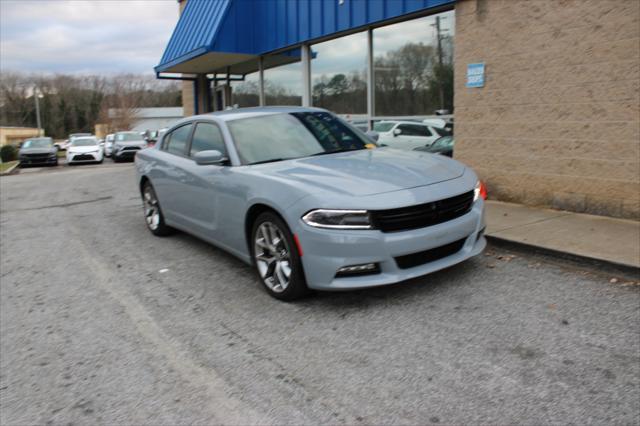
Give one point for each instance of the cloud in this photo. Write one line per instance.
(84, 36)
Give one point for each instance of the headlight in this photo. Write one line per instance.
(479, 191)
(338, 219)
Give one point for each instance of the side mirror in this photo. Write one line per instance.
(210, 157)
(373, 135)
(396, 132)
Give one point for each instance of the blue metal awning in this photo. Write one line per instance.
(214, 34)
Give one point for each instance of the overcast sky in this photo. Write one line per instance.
(84, 36)
(114, 36)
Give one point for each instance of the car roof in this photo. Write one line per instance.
(238, 113)
(403, 122)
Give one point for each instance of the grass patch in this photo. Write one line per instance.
(62, 154)
(6, 166)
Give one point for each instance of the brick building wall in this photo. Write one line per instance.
(558, 120)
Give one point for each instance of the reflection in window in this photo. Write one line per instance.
(283, 78)
(339, 74)
(413, 73)
(246, 93)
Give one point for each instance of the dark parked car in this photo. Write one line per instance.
(40, 151)
(442, 146)
(126, 144)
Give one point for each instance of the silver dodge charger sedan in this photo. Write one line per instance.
(309, 201)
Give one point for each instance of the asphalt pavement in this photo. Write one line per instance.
(103, 323)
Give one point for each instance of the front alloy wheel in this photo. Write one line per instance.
(152, 213)
(276, 258)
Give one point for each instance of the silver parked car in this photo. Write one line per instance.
(295, 192)
(126, 145)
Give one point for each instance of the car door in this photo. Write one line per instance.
(405, 136)
(204, 186)
(170, 178)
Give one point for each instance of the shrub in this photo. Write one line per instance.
(8, 153)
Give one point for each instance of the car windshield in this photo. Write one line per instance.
(284, 136)
(37, 143)
(382, 126)
(128, 137)
(443, 142)
(84, 142)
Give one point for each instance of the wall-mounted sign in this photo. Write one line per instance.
(475, 75)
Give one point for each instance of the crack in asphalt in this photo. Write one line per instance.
(57, 206)
(224, 407)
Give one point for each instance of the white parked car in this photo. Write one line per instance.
(85, 150)
(108, 144)
(407, 135)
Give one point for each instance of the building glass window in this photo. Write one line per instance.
(339, 74)
(246, 93)
(283, 78)
(413, 72)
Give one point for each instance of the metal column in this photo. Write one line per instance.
(261, 84)
(370, 79)
(306, 75)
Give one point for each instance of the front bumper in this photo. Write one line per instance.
(325, 251)
(124, 153)
(83, 157)
(48, 161)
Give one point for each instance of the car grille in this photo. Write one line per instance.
(422, 257)
(37, 156)
(422, 215)
(83, 157)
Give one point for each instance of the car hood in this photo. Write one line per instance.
(363, 172)
(140, 144)
(37, 150)
(92, 148)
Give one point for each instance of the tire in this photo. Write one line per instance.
(273, 251)
(114, 158)
(152, 213)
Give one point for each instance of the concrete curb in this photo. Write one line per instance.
(602, 264)
(10, 170)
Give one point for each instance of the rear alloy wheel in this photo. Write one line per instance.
(152, 213)
(276, 258)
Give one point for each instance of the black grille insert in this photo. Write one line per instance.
(422, 257)
(422, 215)
(83, 157)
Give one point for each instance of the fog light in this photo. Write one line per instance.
(364, 269)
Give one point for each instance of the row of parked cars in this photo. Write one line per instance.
(433, 135)
(83, 148)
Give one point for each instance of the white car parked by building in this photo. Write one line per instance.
(85, 149)
(407, 135)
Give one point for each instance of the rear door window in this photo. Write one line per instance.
(414, 130)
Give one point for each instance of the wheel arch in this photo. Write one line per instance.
(143, 179)
(251, 216)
